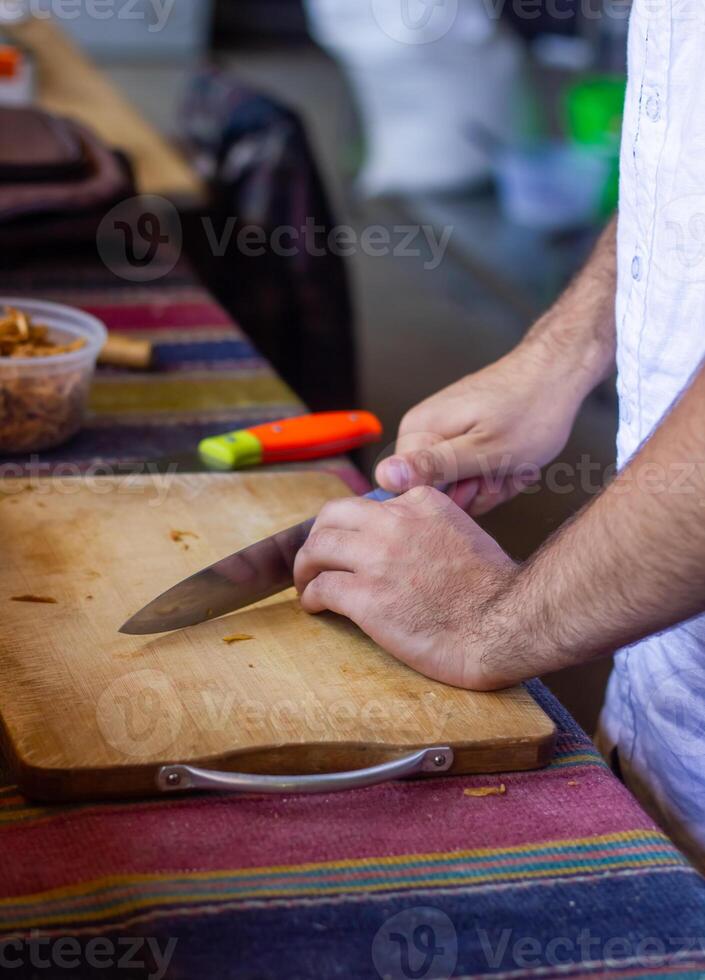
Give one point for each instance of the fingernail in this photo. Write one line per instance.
(398, 474)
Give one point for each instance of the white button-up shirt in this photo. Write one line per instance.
(655, 709)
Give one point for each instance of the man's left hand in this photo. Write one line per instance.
(417, 575)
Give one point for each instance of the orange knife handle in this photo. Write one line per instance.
(316, 436)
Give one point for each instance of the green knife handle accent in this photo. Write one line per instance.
(231, 451)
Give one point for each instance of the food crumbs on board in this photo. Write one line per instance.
(237, 638)
(46, 600)
(480, 791)
(178, 538)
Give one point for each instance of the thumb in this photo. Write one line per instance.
(430, 466)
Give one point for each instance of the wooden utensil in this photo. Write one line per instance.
(89, 713)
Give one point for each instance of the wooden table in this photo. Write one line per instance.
(70, 84)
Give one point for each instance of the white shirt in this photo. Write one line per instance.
(655, 709)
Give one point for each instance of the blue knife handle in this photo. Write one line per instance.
(380, 496)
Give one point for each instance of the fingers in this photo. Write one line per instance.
(328, 549)
(395, 474)
(492, 493)
(338, 592)
(348, 514)
(445, 462)
(464, 493)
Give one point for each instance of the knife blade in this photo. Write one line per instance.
(255, 573)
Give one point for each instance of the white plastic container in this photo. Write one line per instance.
(423, 76)
(551, 186)
(43, 399)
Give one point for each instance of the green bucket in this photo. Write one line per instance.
(594, 111)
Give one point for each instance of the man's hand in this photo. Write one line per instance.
(424, 581)
(416, 574)
(493, 431)
(490, 433)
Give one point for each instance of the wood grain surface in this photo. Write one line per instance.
(89, 713)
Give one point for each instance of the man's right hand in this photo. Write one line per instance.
(489, 434)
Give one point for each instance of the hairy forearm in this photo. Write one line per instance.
(579, 331)
(630, 564)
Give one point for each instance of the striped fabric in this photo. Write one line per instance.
(562, 875)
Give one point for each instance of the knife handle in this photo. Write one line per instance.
(291, 440)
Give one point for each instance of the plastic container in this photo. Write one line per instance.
(551, 187)
(594, 110)
(43, 399)
(16, 76)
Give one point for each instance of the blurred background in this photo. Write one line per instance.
(469, 149)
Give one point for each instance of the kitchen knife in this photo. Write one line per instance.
(259, 571)
(291, 440)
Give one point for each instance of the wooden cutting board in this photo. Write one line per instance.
(89, 713)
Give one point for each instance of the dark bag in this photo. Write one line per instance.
(294, 301)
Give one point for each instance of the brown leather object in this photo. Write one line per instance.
(37, 146)
(105, 182)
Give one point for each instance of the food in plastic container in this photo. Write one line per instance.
(48, 354)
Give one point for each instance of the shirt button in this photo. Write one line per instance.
(636, 268)
(653, 108)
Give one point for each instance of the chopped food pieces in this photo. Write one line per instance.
(45, 600)
(573, 782)
(178, 537)
(237, 638)
(39, 408)
(21, 337)
(480, 791)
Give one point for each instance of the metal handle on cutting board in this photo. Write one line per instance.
(179, 779)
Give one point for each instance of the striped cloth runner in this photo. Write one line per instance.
(562, 875)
